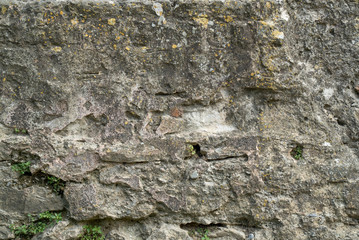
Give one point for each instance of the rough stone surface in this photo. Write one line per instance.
(169, 118)
(61, 231)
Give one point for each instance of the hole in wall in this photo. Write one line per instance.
(199, 225)
(341, 122)
(197, 148)
(297, 152)
(327, 106)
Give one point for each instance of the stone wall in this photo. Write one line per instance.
(181, 119)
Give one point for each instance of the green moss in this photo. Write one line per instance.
(191, 150)
(92, 233)
(56, 183)
(36, 224)
(18, 131)
(21, 167)
(297, 152)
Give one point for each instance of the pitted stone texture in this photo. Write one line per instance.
(167, 232)
(33, 199)
(173, 113)
(63, 230)
(92, 201)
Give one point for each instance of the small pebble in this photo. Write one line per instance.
(251, 236)
(194, 175)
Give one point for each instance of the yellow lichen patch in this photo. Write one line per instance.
(277, 34)
(61, 12)
(74, 21)
(127, 48)
(57, 49)
(203, 20)
(228, 18)
(268, 23)
(4, 79)
(268, 5)
(3, 9)
(174, 46)
(115, 46)
(111, 21)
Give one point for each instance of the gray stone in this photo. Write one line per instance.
(120, 175)
(109, 96)
(40, 199)
(12, 200)
(74, 166)
(194, 175)
(168, 232)
(6, 233)
(93, 201)
(63, 230)
(226, 233)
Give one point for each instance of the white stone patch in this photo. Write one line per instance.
(281, 36)
(224, 93)
(312, 15)
(328, 93)
(157, 7)
(327, 144)
(278, 35)
(284, 15)
(209, 184)
(208, 120)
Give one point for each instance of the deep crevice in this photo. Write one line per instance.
(197, 148)
(57, 185)
(194, 225)
(341, 122)
(243, 157)
(166, 94)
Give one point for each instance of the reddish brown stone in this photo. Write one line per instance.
(176, 112)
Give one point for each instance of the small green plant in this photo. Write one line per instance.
(36, 224)
(92, 233)
(21, 167)
(297, 152)
(203, 232)
(50, 217)
(199, 233)
(56, 183)
(191, 150)
(18, 130)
